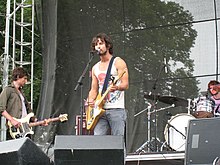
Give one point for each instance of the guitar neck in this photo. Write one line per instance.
(105, 94)
(44, 121)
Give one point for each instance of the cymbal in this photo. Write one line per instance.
(168, 99)
(151, 96)
(174, 100)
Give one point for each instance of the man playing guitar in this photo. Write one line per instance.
(113, 118)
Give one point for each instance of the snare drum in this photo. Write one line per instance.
(176, 130)
(203, 108)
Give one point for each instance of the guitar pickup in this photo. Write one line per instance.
(13, 129)
(18, 136)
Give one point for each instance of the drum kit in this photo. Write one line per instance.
(175, 131)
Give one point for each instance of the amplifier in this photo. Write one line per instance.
(78, 126)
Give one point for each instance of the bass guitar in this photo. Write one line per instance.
(94, 113)
(26, 127)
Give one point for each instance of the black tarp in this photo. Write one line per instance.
(144, 32)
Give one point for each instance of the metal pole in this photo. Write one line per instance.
(32, 57)
(148, 125)
(216, 39)
(6, 65)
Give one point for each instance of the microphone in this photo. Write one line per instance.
(96, 51)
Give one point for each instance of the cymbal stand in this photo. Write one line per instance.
(162, 109)
(148, 125)
(189, 105)
(148, 143)
(155, 102)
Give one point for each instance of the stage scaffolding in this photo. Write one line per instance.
(19, 44)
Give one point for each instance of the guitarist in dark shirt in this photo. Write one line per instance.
(113, 118)
(13, 103)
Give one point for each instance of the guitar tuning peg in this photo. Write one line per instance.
(112, 78)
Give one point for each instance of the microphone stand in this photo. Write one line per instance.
(155, 102)
(80, 83)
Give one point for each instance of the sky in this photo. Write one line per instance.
(204, 52)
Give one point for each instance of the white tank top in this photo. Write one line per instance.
(114, 99)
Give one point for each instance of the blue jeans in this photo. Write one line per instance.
(113, 119)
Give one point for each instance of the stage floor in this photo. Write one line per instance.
(157, 158)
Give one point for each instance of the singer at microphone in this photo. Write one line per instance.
(96, 51)
(105, 93)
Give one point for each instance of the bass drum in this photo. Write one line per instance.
(176, 130)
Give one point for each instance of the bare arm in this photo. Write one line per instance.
(94, 89)
(121, 67)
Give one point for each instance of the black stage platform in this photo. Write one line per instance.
(157, 158)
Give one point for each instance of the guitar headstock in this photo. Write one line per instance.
(63, 117)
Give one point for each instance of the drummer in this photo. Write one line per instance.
(214, 89)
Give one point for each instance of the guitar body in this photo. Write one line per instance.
(26, 127)
(94, 113)
(23, 130)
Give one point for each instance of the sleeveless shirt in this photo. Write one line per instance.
(113, 99)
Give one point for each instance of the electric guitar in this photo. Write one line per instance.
(26, 127)
(94, 113)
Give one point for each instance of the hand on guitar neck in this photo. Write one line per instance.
(113, 87)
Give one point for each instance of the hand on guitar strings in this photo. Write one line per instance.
(114, 88)
(15, 123)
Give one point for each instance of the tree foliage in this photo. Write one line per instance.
(26, 49)
(161, 32)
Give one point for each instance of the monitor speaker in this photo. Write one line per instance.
(89, 150)
(22, 152)
(202, 143)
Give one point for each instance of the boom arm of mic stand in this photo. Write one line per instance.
(161, 109)
(148, 107)
(80, 83)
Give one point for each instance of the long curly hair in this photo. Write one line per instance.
(104, 37)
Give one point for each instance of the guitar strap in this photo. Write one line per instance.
(107, 76)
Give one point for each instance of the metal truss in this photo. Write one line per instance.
(19, 44)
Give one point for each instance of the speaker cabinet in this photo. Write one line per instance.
(89, 150)
(203, 144)
(22, 152)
